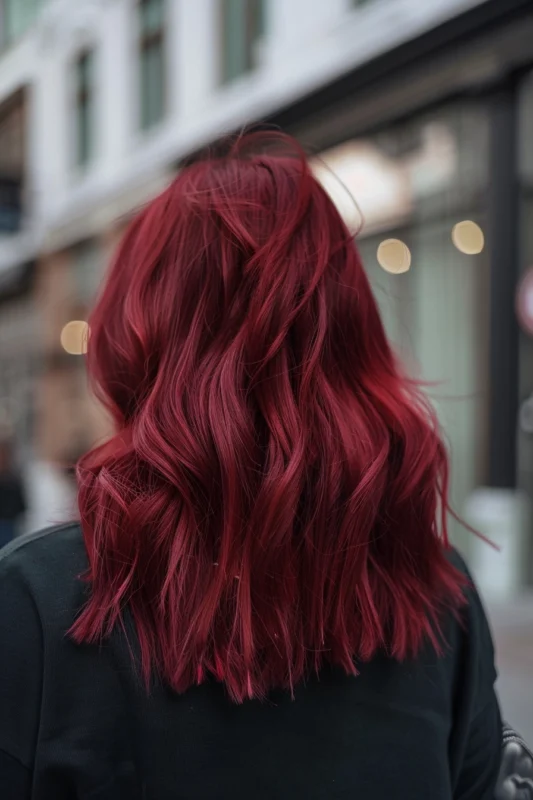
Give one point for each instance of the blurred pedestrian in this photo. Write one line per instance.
(261, 600)
(12, 494)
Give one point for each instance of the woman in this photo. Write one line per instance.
(270, 607)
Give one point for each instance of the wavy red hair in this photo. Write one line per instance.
(275, 495)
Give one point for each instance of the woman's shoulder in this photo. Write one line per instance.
(476, 647)
(473, 608)
(474, 604)
(50, 543)
(457, 560)
(46, 565)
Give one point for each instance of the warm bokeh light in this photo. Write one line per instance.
(468, 237)
(74, 337)
(394, 256)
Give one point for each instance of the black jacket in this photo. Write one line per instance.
(76, 722)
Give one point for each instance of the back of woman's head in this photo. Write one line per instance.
(271, 498)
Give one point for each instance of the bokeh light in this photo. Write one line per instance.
(74, 337)
(468, 237)
(394, 256)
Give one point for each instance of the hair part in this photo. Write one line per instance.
(275, 495)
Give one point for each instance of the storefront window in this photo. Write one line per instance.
(414, 183)
(18, 349)
(88, 264)
(12, 162)
(526, 133)
(525, 434)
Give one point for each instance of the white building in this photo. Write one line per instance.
(204, 68)
(99, 99)
(415, 102)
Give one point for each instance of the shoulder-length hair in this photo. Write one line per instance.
(275, 495)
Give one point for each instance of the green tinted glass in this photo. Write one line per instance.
(84, 108)
(152, 84)
(242, 26)
(17, 17)
(152, 62)
(152, 15)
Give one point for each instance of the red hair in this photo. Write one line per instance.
(275, 495)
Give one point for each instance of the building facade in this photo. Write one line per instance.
(423, 109)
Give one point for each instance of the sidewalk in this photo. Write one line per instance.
(512, 624)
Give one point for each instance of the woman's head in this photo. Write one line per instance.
(270, 499)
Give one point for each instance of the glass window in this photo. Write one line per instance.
(19, 325)
(17, 16)
(12, 139)
(243, 28)
(526, 131)
(414, 182)
(525, 438)
(12, 162)
(84, 139)
(152, 68)
(88, 270)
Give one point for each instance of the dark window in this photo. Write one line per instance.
(84, 137)
(242, 27)
(10, 205)
(12, 161)
(152, 68)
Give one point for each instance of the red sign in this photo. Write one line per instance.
(524, 302)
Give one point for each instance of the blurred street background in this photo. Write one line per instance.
(420, 116)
